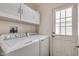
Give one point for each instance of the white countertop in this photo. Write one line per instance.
(14, 44)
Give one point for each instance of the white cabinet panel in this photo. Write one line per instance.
(29, 15)
(36, 17)
(26, 14)
(10, 10)
(44, 47)
(36, 48)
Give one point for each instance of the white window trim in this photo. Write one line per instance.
(61, 8)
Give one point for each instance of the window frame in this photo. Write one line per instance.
(59, 9)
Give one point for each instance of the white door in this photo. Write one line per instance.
(10, 10)
(65, 31)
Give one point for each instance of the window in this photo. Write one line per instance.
(64, 21)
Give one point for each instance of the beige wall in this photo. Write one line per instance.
(45, 26)
(5, 27)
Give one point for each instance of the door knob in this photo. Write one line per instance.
(53, 34)
(77, 46)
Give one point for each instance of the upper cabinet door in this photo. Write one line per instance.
(36, 17)
(10, 10)
(28, 14)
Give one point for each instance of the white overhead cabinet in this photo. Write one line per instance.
(10, 10)
(26, 14)
(17, 11)
(29, 15)
(36, 17)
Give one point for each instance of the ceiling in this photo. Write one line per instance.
(44, 4)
